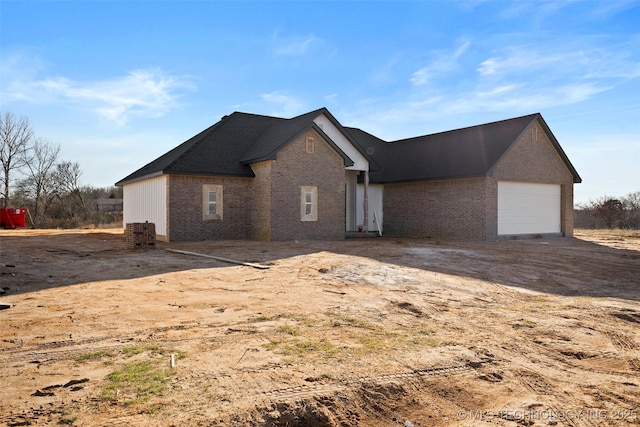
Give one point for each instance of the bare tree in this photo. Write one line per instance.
(15, 137)
(68, 181)
(41, 184)
(632, 210)
(609, 210)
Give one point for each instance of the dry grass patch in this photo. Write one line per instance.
(136, 382)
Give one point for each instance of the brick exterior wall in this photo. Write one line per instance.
(295, 167)
(185, 219)
(468, 208)
(262, 210)
(450, 209)
(532, 158)
(267, 207)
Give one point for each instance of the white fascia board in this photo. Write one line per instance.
(360, 163)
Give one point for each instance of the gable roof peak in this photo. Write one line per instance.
(282, 131)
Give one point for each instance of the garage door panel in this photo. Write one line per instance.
(528, 208)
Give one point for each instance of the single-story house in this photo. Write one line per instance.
(308, 177)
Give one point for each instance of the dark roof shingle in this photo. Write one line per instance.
(460, 153)
(214, 151)
(457, 153)
(229, 146)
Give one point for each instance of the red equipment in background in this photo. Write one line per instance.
(13, 217)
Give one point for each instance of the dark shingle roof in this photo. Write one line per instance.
(372, 147)
(281, 133)
(461, 153)
(277, 136)
(214, 151)
(228, 147)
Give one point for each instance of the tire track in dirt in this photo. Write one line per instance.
(320, 392)
(621, 342)
(577, 345)
(555, 404)
(490, 277)
(626, 345)
(565, 358)
(570, 352)
(314, 390)
(561, 358)
(57, 350)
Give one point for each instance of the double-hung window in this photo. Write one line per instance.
(308, 203)
(212, 202)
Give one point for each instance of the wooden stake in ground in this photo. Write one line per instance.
(217, 258)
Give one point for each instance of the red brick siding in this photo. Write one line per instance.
(451, 209)
(534, 159)
(185, 219)
(295, 167)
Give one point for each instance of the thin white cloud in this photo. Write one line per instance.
(612, 7)
(288, 105)
(407, 118)
(461, 49)
(385, 74)
(442, 65)
(498, 91)
(295, 46)
(332, 98)
(525, 58)
(522, 99)
(140, 93)
(534, 9)
(569, 62)
(513, 80)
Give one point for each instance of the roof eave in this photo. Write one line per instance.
(139, 178)
(576, 177)
(230, 175)
(161, 173)
(436, 178)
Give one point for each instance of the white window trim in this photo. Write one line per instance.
(212, 188)
(313, 191)
(310, 145)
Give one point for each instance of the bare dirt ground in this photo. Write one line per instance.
(361, 332)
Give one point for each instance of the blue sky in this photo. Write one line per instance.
(118, 83)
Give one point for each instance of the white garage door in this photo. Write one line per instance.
(528, 208)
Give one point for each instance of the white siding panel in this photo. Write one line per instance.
(360, 162)
(374, 194)
(528, 208)
(147, 201)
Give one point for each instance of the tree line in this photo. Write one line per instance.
(34, 177)
(610, 212)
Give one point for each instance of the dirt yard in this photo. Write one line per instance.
(361, 332)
